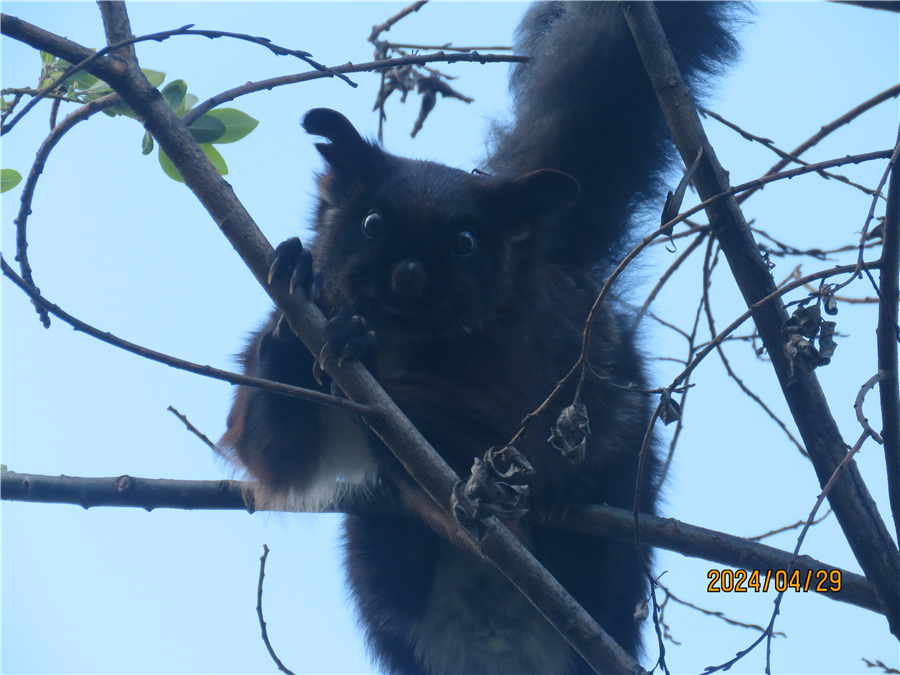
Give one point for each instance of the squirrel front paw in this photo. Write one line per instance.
(293, 265)
(346, 337)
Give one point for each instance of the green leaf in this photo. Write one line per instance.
(9, 178)
(207, 129)
(217, 160)
(237, 124)
(190, 101)
(168, 167)
(98, 87)
(210, 151)
(147, 144)
(155, 77)
(121, 110)
(47, 58)
(84, 80)
(174, 93)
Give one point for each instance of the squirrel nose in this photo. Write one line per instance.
(408, 279)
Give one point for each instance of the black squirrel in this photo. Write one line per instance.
(477, 287)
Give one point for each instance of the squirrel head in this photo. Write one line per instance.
(421, 245)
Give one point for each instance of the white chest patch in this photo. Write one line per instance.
(345, 463)
(478, 622)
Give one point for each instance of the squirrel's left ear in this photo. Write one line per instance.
(547, 190)
(534, 195)
(348, 151)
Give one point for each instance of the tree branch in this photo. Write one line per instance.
(604, 521)
(856, 511)
(846, 118)
(37, 168)
(206, 371)
(889, 291)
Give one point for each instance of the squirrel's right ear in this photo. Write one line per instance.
(347, 148)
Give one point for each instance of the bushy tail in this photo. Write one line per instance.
(585, 106)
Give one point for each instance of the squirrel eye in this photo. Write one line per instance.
(465, 243)
(373, 225)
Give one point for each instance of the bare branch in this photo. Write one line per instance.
(128, 491)
(865, 531)
(206, 371)
(889, 389)
(858, 407)
(259, 613)
(198, 110)
(846, 118)
(607, 521)
(767, 142)
(37, 168)
(387, 25)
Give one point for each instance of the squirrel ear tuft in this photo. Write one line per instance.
(347, 148)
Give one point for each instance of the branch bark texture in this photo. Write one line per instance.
(602, 521)
(855, 509)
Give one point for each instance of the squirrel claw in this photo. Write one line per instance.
(346, 337)
(293, 265)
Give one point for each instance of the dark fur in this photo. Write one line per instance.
(470, 342)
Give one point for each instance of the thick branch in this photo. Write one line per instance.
(128, 491)
(887, 344)
(605, 521)
(856, 511)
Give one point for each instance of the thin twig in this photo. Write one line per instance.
(666, 276)
(259, 613)
(190, 427)
(788, 528)
(767, 142)
(387, 25)
(374, 66)
(206, 371)
(37, 168)
(846, 118)
(707, 274)
(858, 407)
(448, 47)
(159, 37)
(715, 614)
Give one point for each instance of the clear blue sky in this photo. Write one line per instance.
(116, 243)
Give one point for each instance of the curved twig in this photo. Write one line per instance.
(767, 142)
(858, 407)
(259, 613)
(159, 37)
(37, 168)
(159, 357)
(198, 110)
(846, 118)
